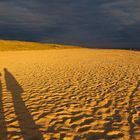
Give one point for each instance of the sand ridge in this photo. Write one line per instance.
(14, 45)
(70, 94)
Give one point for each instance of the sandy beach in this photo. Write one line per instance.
(70, 94)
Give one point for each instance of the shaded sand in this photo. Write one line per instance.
(70, 94)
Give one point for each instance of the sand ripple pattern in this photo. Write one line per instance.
(73, 94)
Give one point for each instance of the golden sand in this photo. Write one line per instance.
(13, 45)
(70, 94)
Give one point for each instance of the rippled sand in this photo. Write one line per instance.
(70, 94)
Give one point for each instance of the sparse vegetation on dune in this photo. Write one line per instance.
(10, 45)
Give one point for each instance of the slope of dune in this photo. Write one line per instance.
(70, 94)
(12, 45)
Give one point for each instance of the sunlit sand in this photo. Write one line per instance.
(69, 94)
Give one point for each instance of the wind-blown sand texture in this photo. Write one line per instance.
(70, 94)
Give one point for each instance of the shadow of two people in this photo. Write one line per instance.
(29, 130)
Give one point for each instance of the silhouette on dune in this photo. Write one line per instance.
(3, 129)
(29, 129)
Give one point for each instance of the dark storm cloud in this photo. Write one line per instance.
(98, 23)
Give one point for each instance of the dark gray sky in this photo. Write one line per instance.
(90, 23)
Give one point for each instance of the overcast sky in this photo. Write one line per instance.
(90, 23)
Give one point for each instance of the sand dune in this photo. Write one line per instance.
(13, 45)
(70, 94)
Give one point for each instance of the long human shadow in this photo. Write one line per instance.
(29, 130)
(3, 128)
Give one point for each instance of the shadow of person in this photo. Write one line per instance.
(29, 130)
(3, 128)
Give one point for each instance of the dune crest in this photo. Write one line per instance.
(13, 45)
